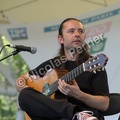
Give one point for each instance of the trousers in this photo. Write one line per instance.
(41, 107)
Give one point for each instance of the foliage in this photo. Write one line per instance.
(17, 65)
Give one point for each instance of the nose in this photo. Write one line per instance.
(77, 33)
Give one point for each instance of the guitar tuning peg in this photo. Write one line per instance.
(98, 70)
(103, 68)
(94, 71)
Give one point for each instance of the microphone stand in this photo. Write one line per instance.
(13, 53)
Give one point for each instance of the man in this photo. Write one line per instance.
(85, 95)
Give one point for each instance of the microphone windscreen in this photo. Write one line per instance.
(33, 50)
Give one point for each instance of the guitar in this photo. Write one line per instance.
(48, 84)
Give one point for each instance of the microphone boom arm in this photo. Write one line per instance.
(13, 53)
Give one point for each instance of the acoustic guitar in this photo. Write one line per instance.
(48, 84)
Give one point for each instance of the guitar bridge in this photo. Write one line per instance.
(46, 89)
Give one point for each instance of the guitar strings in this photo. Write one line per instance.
(69, 76)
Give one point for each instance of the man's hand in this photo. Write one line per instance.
(71, 89)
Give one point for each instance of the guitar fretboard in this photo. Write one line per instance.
(68, 77)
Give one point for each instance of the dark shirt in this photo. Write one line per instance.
(89, 82)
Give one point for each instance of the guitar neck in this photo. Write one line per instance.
(67, 78)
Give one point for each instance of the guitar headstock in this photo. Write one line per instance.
(96, 63)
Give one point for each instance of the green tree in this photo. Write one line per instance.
(8, 104)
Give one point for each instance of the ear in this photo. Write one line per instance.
(60, 39)
(85, 36)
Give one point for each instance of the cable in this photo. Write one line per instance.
(6, 10)
(105, 4)
(3, 48)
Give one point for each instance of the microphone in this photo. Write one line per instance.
(32, 50)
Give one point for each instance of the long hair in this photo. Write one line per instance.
(82, 56)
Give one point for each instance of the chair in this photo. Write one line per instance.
(114, 105)
(119, 117)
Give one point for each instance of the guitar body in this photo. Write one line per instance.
(49, 78)
(27, 117)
